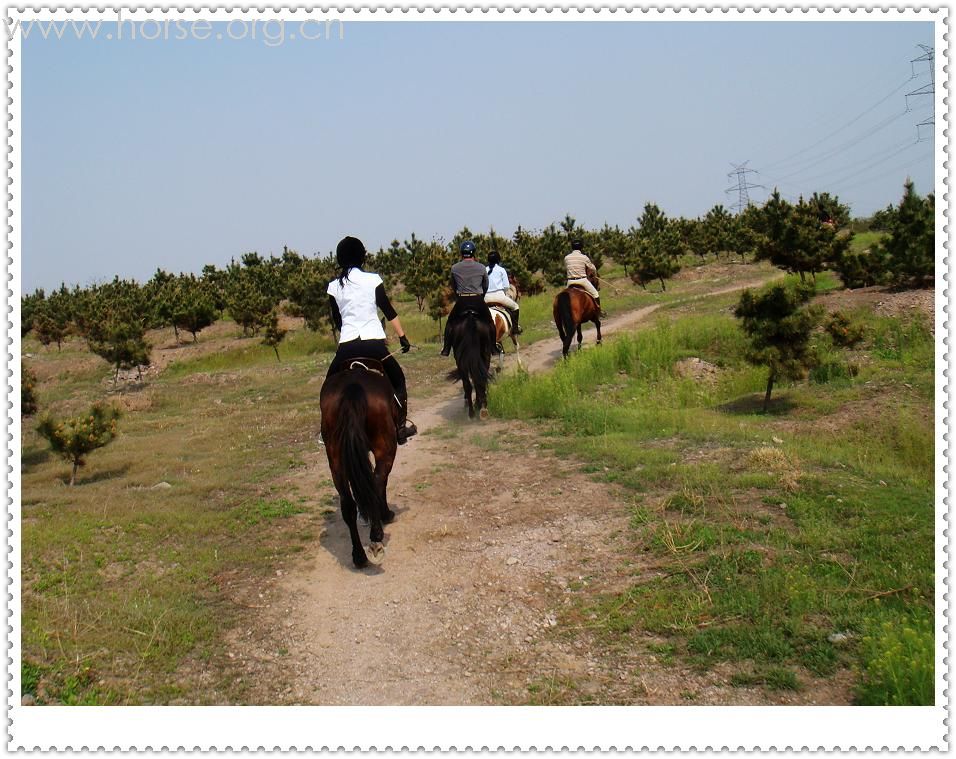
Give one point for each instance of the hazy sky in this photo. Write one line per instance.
(138, 154)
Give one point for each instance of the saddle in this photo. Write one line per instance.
(373, 365)
(582, 289)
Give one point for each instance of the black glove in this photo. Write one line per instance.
(406, 346)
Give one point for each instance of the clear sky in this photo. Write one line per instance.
(144, 154)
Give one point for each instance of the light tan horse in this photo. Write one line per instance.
(502, 321)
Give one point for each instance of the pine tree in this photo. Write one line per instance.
(794, 238)
(779, 328)
(194, 306)
(274, 334)
(911, 244)
(657, 247)
(115, 324)
(718, 231)
(76, 438)
(248, 305)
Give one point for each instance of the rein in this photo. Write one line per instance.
(604, 281)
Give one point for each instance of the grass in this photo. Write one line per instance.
(132, 577)
(790, 544)
(125, 595)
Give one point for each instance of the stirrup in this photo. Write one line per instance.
(406, 431)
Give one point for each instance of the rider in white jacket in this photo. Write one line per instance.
(498, 286)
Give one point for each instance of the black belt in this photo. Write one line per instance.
(469, 295)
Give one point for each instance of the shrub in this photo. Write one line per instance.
(899, 665)
(75, 438)
(845, 332)
(28, 398)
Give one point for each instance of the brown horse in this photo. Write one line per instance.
(572, 307)
(359, 417)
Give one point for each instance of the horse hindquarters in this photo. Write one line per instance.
(356, 482)
(564, 320)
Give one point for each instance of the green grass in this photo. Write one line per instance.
(123, 580)
(789, 559)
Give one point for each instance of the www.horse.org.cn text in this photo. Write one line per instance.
(270, 32)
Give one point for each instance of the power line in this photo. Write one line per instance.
(836, 131)
(883, 154)
(904, 165)
(872, 87)
(743, 186)
(826, 155)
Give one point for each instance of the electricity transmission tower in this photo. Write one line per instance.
(927, 89)
(742, 187)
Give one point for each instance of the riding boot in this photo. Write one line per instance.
(597, 302)
(515, 327)
(406, 429)
(446, 348)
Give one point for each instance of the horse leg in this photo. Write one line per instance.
(597, 326)
(481, 395)
(349, 514)
(580, 337)
(466, 384)
(383, 467)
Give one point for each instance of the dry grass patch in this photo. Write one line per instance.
(777, 463)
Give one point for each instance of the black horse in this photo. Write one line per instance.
(359, 417)
(472, 339)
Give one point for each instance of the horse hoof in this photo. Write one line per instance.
(375, 553)
(483, 414)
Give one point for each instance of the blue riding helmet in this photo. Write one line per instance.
(467, 248)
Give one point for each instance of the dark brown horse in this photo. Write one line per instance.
(572, 307)
(359, 414)
(472, 338)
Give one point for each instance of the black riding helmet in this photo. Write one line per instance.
(577, 245)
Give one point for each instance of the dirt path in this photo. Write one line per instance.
(487, 548)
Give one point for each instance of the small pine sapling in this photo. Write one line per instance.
(274, 334)
(75, 438)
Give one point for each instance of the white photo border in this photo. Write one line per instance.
(477, 728)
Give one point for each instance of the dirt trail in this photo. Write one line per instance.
(487, 547)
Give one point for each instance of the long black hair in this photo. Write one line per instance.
(349, 254)
(493, 258)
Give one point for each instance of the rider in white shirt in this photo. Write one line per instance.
(354, 299)
(498, 286)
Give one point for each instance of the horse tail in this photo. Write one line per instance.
(354, 445)
(478, 360)
(565, 320)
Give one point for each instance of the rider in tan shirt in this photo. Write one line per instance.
(580, 268)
